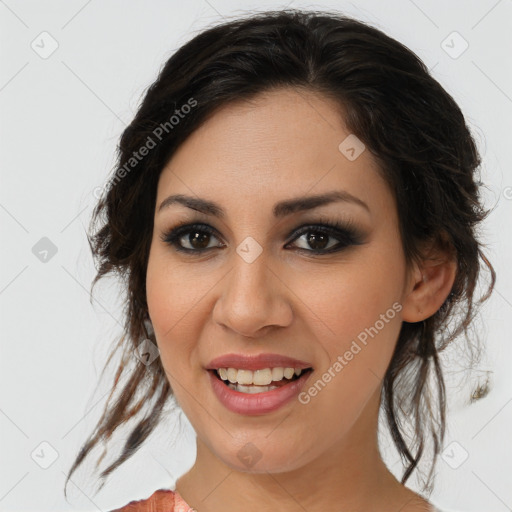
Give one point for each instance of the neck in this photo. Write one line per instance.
(351, 476)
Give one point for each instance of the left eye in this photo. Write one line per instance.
(317, 237)
(317, 240)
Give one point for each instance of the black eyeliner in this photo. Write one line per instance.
(346, 232)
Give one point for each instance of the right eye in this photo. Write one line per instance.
(197, 236)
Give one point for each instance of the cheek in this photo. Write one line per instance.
(171, 304)
(179, 304)
(357, 316)
(173, 291)
(352, 298)
(351, 374)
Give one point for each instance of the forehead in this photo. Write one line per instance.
(279, 144)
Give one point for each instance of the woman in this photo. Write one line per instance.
(294, 213)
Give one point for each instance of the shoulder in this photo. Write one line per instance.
(160, 500)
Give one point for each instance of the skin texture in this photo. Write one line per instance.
(322, 455)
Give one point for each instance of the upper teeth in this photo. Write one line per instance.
(257, 377)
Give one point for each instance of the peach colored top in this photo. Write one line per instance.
(163, 500)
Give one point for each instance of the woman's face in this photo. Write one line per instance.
(254, 285)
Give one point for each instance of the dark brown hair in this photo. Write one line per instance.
(413, 128)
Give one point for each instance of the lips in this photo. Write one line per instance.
(256, 362)
(260, 403)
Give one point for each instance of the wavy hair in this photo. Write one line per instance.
(413, 128)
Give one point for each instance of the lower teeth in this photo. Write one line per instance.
(250, 389)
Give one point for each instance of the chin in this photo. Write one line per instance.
(274, 458)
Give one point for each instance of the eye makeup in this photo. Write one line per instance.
(346, 232)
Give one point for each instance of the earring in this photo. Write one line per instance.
(148, 326)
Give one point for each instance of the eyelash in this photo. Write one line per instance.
(346, 233)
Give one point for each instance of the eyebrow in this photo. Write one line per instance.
(281, 209)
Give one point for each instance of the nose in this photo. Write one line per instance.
(253, 299)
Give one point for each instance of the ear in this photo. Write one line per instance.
(430, 281)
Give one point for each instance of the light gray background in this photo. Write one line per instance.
(60, 118)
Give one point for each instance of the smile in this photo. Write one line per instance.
(259, 391)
